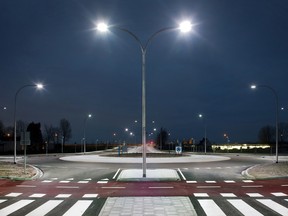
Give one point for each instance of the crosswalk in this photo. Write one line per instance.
(39, 204)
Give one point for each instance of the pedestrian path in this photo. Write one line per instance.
(38, 204)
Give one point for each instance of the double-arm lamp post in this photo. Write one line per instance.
(38, 86)
(183, 27)
(276, 113)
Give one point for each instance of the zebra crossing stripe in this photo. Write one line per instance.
(2, 200)
(244, 208)
(211, 208)
(45, 208)
(14, 207)
(78, 208)
(274, 206)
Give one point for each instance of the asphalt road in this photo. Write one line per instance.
(53, 167)
(76, 188)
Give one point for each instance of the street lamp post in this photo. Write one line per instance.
(276, 114)
(205, 134)
(184, 27)
(84, 132)
(38, 86)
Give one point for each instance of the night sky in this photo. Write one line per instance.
(233, 44)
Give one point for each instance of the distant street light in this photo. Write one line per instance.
(183, 27)
(276, 113)
(84, 132)
(205, 133)
(38, 86)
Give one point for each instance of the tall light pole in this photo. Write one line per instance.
(38, 86)
(183, 27)
(84, 132)
(276, 113)
(205, 133)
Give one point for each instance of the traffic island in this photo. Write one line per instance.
(151, 175)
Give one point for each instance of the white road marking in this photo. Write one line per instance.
(211, 208)
(252, 186)
(63, 196)
(244, 208)
(13, 194)
(210, 182)
(70, 179)
(3, 200)
(274, 206)
(37, 195)
(78, 208)
(90, 195)
(191, 182)
(45, 208)
(68, 187)
(14, 207)
(26, 186)
(254, 195)
(201, 195)
(229, 181)
(83, 182)
(113, 187)
(46, 181)
(116, 173)
(183, 177)
(88, 179)
(228, 195)
(248, 181)
(161, 187)
(102, 182)
(279, 194)
(64, 181)
(216, 186)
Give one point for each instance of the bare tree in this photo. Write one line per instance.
(283, 131)
(65, 129)
(266, 134)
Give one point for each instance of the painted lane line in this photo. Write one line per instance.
(274, 206)
(47, 181)
(78, 208)
(113, 187)
(45, 208)
(13, 194)
(191, 182)
(14, 207)
(83, 182)
(210, 182)
(102, 182)
(116, 174)
(252, 186)
(244, 208)
(228, 195)
(3, 200)
(63, 196)
(216, 186)
(201, 195)
(161, 187)
(211, 208)
(26, 186)
(183, 177)
(229, 181)
(68, 187)
(279, 194)
(64, 181)
(37, 195)
(248, 181)
(254, 195)
(284, 185)
(88, 179)
(90, 196)
(70, 179)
